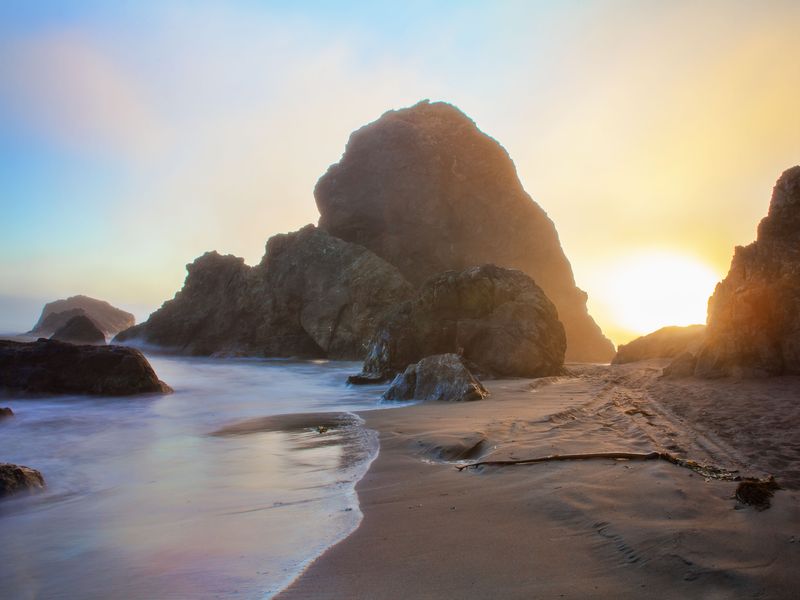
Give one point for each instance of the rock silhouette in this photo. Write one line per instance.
(666, 342)
(107, 318)
(754, 314)
(79, 330)
(53, 367)
(426, 190)
(312, 295)
(443, 378)
(498, 319)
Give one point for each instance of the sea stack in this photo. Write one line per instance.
(754, 315)
(108, 319)
(426, 190)
(498, 319)
(312, 296)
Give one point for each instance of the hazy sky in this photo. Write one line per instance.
(136, 135)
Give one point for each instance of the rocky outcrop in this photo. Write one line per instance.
(16, 478)
(79, 330)
(5, 412)
(108, 319)
(53, 367)
(666, 342)
(312, 295)
(443, 377)
(426, 190)
(497, 319)
(754, 314)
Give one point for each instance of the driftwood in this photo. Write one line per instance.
(707, 471)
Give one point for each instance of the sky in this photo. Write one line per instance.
(134, 136)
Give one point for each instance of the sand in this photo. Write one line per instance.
(578, 529)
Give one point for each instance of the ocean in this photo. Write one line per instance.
(143, 502)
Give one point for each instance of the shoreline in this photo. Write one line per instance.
(604, 528)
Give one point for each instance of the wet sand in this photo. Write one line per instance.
(576, 529)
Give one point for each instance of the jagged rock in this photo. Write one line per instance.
(16, 478)
(443, 377)
(5, 412)
(107, 318)
(79, 330)
(497, 319)
(312, 295)
(426, 190)
(682, 366)
(53, 367)
(754, 314)
(666, 342)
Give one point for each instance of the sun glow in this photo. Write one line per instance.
(653, 289)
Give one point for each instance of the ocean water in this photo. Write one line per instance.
(143, 502)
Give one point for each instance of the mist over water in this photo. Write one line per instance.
(142, 502)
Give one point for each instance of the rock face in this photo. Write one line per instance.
(108, 319)
(53, 367)
(666, 342)
(312, 295)
(79, 330)
(682, 366)
(16, 478)
(754, 314)
(426, 190)
(443, 377)
(497, 319)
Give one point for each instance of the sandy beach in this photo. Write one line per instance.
(576, 529)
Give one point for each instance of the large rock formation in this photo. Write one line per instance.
(79, 330)
(107, 318)
(312, 295)
(427, 191)
(53, 367)
(754, 314)
(16, 478)
(498, 319)
(666, 342)
(443, 377)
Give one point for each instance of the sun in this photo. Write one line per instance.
(650, 290)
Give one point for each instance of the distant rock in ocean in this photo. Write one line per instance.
(498, 319)
(53, 367)
(754, 314)
(5, 412)
(79, 329)
(426, 190)
(312, 295)
(440, 378)
(666, 342)
(107, 318)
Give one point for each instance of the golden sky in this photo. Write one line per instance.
(136, 140)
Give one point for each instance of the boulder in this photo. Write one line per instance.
(682, 366)
(53, 367)
(5, 412)
(443, 377)
(312, 295)
(426, 190)
(16, 478)
(108, 319)
(754, 314)
(666, 342)
(497, 319)
(79, 330)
